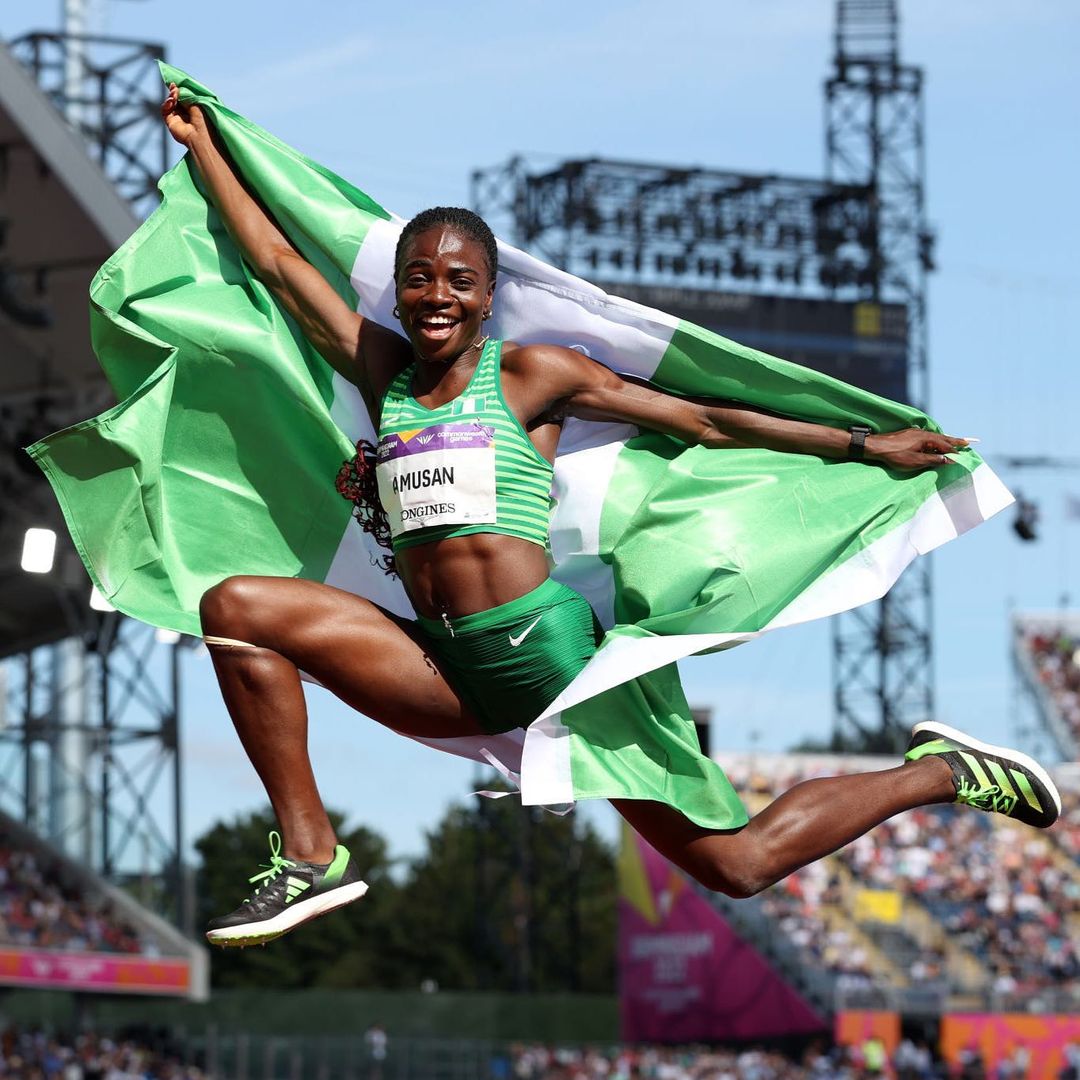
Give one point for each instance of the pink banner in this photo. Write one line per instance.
(104, 972)
(684, 975)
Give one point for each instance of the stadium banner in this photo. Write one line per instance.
(42, 969)
(878, 905)
(855, 1027)
(684, 974)
(996, 1036)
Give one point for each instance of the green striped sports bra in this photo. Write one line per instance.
(466, 467)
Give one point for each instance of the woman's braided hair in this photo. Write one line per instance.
(460, 220)
(356, 482)
(356, 477)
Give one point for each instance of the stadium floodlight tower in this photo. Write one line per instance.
(108, 89)
(883, 657)
(89, 700)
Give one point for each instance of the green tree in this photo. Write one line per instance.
(508, 898)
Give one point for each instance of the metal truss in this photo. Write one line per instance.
(883, 655)
(112, 100)
(702, 228)
(89, 701)
(883, 673)
(874, 138)
(89, 754)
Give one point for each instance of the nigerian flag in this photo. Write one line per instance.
(220, 459)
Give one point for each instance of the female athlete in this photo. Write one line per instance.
(496, 639)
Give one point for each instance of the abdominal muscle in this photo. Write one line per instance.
(465, 574)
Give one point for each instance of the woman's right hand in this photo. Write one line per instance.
(185, 122)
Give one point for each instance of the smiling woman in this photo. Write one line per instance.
(467, 430)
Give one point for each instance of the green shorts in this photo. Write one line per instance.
(510, 662)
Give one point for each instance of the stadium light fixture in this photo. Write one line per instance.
(39, 551)
(98, 602)
(1025, 525)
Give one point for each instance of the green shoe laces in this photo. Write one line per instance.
(991, 799)
(274, 867)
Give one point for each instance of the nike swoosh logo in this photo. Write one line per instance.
(516, 641)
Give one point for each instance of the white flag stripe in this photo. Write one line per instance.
(868, 575)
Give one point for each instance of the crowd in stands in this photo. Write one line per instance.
(996, 888)
(26, 1055)
(668, 1063)
(912, 1061)
(796, 904)
(1055, 656)
(39, 910)
(1008, 894)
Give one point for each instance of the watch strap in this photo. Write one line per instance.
(857, 446)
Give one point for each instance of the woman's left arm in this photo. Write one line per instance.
(594, 392)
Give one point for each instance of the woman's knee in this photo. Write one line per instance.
(233, 607)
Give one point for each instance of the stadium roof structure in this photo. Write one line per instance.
(60, 218)
(1051, 625)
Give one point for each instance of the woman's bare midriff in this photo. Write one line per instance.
(466, 574)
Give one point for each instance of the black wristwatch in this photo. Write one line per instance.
(857, 447)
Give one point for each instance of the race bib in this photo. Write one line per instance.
(438, 475)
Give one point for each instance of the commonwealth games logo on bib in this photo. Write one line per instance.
(438, 475)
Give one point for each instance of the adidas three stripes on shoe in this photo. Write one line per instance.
(287, 894)
(991, 778)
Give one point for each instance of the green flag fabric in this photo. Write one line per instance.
(220, 459)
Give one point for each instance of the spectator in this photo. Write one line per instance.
(39, 911)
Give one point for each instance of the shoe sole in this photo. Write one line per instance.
(289, 919)
(1030, 764)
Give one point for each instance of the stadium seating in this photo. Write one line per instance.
(529, 1062)
(38, 910)
(1046, 649)
(938, 899)
(64, 927)
(673, 1063)
(29, 1054)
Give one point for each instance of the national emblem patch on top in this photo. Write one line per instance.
(465, 406)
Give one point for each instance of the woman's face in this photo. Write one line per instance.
(443, 289)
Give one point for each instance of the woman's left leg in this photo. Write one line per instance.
(811, 820)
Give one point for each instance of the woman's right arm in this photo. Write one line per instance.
(325, 319)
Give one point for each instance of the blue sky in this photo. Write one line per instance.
(405, 100)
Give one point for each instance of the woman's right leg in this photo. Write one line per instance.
(372, 660)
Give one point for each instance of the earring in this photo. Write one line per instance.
(487, 315)
(396, 313)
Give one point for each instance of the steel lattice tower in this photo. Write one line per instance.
(883, 656)
(89, 700)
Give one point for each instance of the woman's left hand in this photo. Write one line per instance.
(912, 449)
